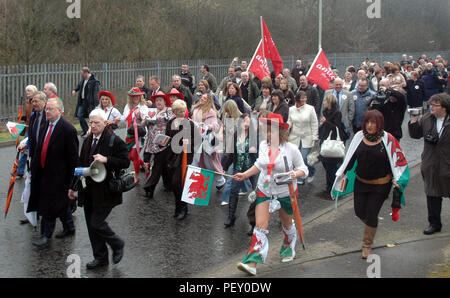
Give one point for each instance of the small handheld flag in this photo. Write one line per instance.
(15, 129)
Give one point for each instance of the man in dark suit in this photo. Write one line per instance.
(54, 159)
(96, 198)
(88, 89)
(36, 126)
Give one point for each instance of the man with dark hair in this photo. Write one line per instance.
(311, 93)
(362, 97)
(212, 81)
(140, 83)
(393, 110)
(187, 78)
(434, 127)
(88, 88)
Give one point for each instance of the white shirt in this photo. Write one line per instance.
(439, 124)
(111, 112)
(295, 162)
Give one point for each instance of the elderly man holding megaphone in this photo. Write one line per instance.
(102, 154)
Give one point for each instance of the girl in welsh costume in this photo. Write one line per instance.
(271, 196)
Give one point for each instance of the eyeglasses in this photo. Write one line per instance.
(435, 105)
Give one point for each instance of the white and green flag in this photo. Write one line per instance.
(15, 129)
(198, 185)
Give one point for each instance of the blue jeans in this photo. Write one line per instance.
(225, 196)
(80, 116)
(305, 152)
(22, 161)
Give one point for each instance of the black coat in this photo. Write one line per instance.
(334, 119)
(90, 93)
(189, 132)
(416, 93)
(32, 143)
(188, 97)
(117, 156)
(50, 185)
(282, 109)
(393, 113)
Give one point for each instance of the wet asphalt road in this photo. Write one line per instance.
(157, 245)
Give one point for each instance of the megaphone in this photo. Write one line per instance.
(96, 171)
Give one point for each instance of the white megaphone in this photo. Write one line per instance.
(96, 171)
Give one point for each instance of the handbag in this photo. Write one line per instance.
(313, 156)
(140, 129)
(333, 148)
(121, 181)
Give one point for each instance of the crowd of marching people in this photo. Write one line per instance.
(253, 129)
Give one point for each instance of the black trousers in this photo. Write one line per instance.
(331, 165)
(434, 205)
(48, 223)
(99, 232)
(368, 200)
(159, 169)
(177, 188)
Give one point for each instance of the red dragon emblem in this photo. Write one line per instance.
(198, 189)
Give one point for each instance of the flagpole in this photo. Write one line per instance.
(314, 62)
(320, 24)
(262, 36)
(197, 168)
(254, 55)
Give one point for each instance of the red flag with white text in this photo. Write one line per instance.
(270, 49)
(258, 66)
(320, 72)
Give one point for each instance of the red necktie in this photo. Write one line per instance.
(45, 146)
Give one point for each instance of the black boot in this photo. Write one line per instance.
(231, 212)
(149, 191)
(183, 212)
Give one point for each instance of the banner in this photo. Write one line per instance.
(258, 65)
(320, 72)
(198, 186)
(270, 49)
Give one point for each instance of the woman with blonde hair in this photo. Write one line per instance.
(135, 111)
(204, 114)
(106, 103)
(229, 117)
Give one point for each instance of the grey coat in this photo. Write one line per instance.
(435, 166)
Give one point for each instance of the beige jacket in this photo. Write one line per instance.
(304, 127)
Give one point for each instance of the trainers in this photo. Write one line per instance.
(220, 187)
(224, 203)
(288, 259)
(242, 193)
(247, 269)
(301, 182)
(310, 179)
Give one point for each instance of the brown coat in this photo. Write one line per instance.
(435, 166)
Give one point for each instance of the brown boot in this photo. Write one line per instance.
(369, 234)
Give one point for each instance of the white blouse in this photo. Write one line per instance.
(295, 162)
(111, 113)
(143, 109)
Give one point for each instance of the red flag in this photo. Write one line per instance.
(258, 66)
(270, 49)
(320, 72)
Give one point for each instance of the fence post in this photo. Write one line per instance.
(105, 76)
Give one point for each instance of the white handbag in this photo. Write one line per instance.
(333, 148)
